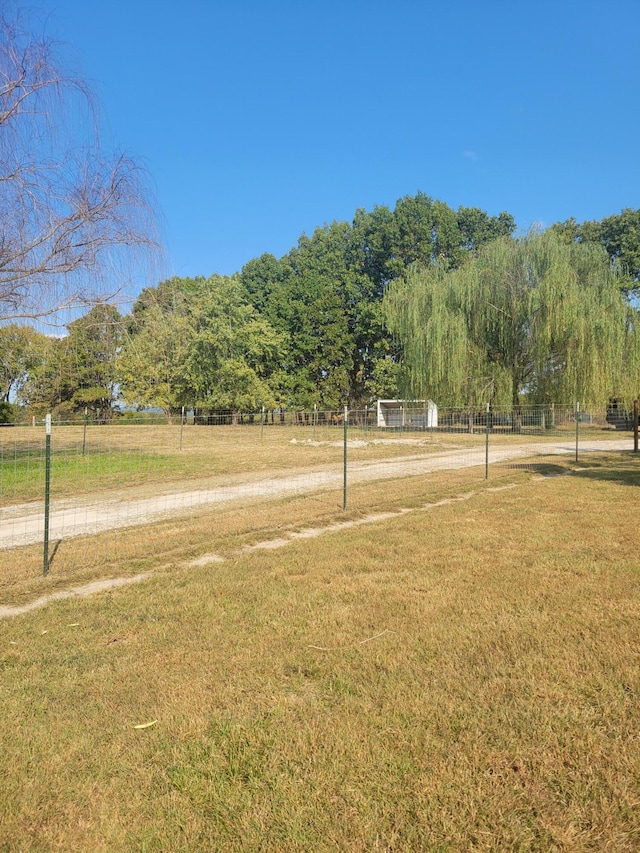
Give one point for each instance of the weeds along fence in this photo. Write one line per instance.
(125, 488)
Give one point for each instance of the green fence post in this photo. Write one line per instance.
(47, 488)
(84, 431)
(344, 489)
(486, 450)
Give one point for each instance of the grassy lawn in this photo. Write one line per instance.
(23, 476)
(461, 676)
(114, 458)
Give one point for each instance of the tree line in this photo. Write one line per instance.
(416, 301)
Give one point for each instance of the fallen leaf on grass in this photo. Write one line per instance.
(145, 725)
(73, 625)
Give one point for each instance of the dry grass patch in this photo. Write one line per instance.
(150, 459)
(495, 705)
(220, 530)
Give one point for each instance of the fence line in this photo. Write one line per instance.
(84, 478)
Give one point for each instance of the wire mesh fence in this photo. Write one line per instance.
(109, 481)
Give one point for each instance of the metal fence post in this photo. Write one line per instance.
(47, 489)
(344, 489)
(486, 450)
(577, 428)
(84, 431)
(635, 426)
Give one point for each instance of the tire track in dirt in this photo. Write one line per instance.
(208, 559)
(279, 542)
(23, 524)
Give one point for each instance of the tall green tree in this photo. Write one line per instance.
(78, 370)
(326, 294)
(151, 368)
(197, 342)
(234, 351)
(427, 233)
(476, 228)
(620, 237)
(49, 385)
(533, 318)
(262, 279)
(421, 230)
(20, 352)
(327, 314)
(93, 345)
(18, 355)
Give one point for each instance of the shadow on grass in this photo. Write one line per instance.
(544, 469)
(53, 554)
(623, 470)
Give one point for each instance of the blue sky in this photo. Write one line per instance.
(262, 120)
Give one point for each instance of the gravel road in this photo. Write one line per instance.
(23, 524)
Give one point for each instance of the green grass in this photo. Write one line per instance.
(116, 458)
(494, 705)
(22, 477)
(119, 457)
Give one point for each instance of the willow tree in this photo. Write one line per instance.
(75, 217)
(530, 319)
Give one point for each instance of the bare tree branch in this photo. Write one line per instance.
(75, 221)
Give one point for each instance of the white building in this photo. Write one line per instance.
(412, 414)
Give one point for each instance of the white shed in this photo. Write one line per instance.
(412, 414)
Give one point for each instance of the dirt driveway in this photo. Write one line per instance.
(23, 524)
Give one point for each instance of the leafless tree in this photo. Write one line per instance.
(76, 221)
